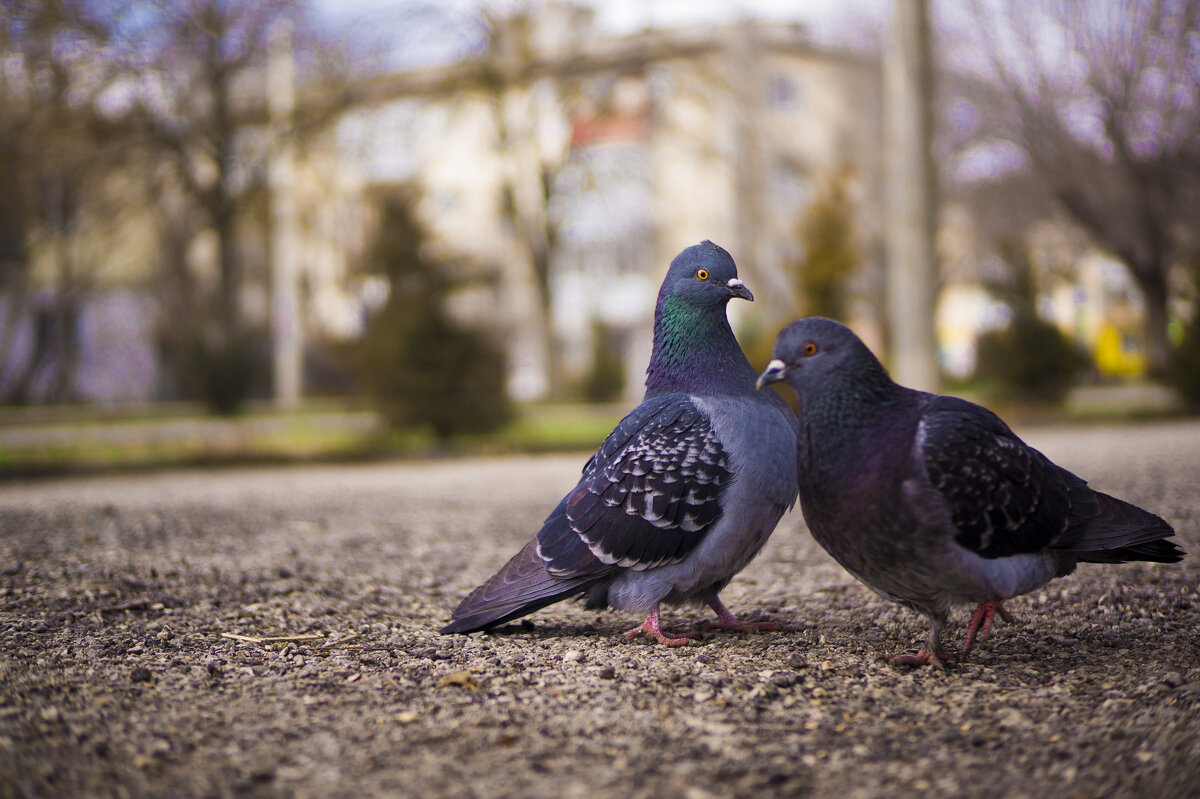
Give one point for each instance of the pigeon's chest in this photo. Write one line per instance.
(852, 495)
(761, 447)
(841, 460)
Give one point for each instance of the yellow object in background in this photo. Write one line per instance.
(1119, 354)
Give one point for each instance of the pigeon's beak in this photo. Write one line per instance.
(776, 370)
(738, 289)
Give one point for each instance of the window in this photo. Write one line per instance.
(784, 93)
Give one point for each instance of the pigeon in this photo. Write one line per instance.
(932, 501)
(685, 490)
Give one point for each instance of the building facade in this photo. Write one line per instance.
(577, 181)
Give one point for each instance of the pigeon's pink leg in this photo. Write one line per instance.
(981, 623)
(727, 621)
(651, 629)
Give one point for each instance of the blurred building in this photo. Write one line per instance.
(590, 161)
(81, 326)
(1102, 308)
(1088, 294)
(566, 168)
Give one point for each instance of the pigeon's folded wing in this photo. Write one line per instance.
(647, 497)
(1003, 497)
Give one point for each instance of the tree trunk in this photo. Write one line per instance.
(228, 313)
(1153, 283)
(66, 318)
(67, 294)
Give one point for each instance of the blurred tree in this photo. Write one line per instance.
(1030, 358)
(1098, 102)
(56, 151)
(1184, 374)
(198, 66)
(831, 258)
(417, 363)
(605, 380)
(493, 55)
(504, 77)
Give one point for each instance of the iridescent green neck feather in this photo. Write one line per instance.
(695, 351)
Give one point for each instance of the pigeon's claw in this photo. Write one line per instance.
(652, 629)
(922, 658)
(981, 623)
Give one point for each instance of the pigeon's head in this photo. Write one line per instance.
(705, 276)
(812, 352)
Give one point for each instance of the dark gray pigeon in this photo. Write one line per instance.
(932, 501)
(682, 494)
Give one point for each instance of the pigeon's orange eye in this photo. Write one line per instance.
(702, 274)
(810, 348)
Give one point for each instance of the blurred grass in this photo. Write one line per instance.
(1100, 403)
(551, 428)
(48, 441)
(52, 441)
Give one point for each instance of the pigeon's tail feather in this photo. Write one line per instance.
(1122, 532)
(1153, 551)
(522, 586)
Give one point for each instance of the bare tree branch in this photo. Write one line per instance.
(1101, 100)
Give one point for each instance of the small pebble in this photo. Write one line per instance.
(1172, 679)
(262, 774)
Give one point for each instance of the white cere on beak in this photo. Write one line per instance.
(776, 365)
(734, 283)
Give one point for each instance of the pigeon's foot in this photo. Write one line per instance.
(651, 629)
(922, 658)
(727, 621)
(981, 623)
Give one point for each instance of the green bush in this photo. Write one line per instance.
(605, 380)
(226, 370)
(1030, 359)
(1184, 372)
(831, 258)
(417, 364)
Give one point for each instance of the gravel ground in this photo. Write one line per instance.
(121, 673)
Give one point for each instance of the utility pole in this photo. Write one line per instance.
(287, 334)
(911, 203)
(753, 254)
